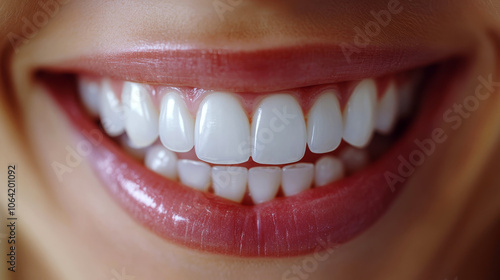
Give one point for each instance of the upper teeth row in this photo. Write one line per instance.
(222, 133)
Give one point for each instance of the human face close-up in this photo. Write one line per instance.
(247, 139)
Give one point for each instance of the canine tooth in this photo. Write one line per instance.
(324, 124)
(141, 118)
(162, 161)
(360, 113)
(230, 182)
(130, 148)
(278, 131)
(297, 178)
(328, 169)
(263, 183)
(354, 159)
(221, 130)
(111, 110)
(90, 91)
(194, 174)
(176, 124)
(387, 110)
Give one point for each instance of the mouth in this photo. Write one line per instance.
(230, 155)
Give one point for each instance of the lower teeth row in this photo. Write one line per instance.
(261, 183)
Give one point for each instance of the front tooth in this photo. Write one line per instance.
(263, 183)
(360, 113)
(297, 178)
(324, 124)
(90, 92)
(278, 131)
(230, 182)
(194, 174)
(222, 130)
(111, 110)
(176, 124)
(328, 169)
(162, 161)
(141, 118)
(387, 110)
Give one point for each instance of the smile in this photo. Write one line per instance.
(231, 155)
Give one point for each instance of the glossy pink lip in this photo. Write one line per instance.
(249, 71)
(289, 226)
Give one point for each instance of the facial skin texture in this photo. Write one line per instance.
(445, 225)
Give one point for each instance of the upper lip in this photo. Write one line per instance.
(248, 71)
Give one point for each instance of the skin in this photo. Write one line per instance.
(74, 230)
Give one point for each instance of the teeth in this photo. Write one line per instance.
(162, 161)
(297, 178)
(327, 170)
(230, 182)
(354, 159)
(176, 124)
(324, 124)
(278, 131)
(263, 183)
(194, 174)
(387, 110)
(221, 130)
(111, 110)
(221, 134)
(89, 90)
(360, 113)
(141, 118)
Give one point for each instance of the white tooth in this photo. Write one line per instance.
(324, 124)
(90, 92)
(130, 148)
(141, 117)
(194, 174)
(354, 159)
(360, 113)
(221, 130)
(387, 110)
(111, 110)
(230, 182)
(176, 124)
(328, 169)
(297, 178)
(263, 183)
(162, 161)
(278, 131)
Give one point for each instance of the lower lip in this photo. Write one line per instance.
(311, 221)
